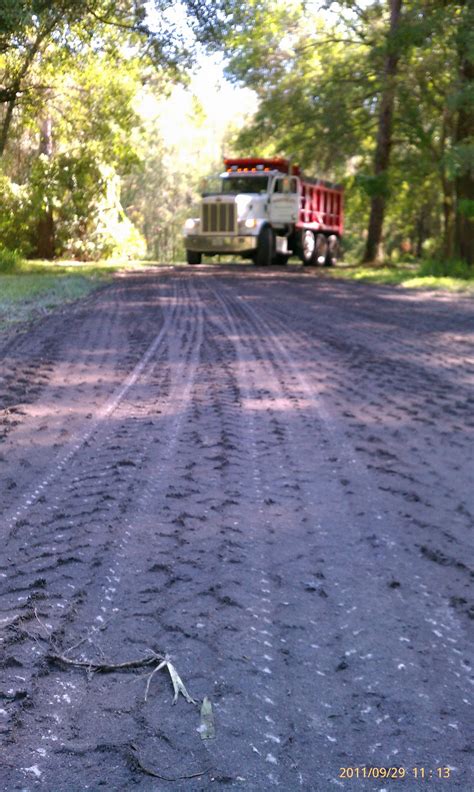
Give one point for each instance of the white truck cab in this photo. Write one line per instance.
(236, 209)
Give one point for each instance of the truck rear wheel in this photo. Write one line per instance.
(265, 252)
(333, 251)
(192, 257)
(321, 249)
(308, 248)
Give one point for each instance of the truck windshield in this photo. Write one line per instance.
(232, 185)
(245, 184)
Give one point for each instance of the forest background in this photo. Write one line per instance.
(376, 94)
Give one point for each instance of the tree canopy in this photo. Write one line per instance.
(378, 94)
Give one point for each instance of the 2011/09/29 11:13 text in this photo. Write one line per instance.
(420, 773)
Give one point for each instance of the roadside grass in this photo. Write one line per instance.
(31, 289)
(433, 275)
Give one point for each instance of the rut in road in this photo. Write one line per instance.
(227, 502)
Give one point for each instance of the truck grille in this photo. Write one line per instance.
(218, 218)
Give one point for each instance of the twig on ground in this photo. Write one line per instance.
(163, 661)
(150, 772)
(104, 667)
(42, 624)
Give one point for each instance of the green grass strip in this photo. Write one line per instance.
(427, 276)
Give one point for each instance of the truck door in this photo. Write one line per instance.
(284, 200)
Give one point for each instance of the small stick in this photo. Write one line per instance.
(58, 658)
(149, 771)
(163, 661)
(42, 624)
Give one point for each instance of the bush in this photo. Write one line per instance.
(10, 260)
(84, 197)
(14, 231)
(441, 268)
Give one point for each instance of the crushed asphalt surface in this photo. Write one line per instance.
(267, 475)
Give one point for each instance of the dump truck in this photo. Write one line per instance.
(265, 210)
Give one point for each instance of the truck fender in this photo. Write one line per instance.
(261, 223)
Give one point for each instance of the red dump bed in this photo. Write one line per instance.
(322, 202)
(322, 206)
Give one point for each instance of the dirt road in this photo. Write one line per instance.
(269, 476)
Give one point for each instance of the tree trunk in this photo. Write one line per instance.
(45, 231)
(7, 122)
(45, 236)
(420, 231)
(464, 226)
(449, 217)
(373, 250)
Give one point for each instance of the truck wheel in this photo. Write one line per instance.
(308, 248)
(192, 257)
(265, 248)
(322, 248)
(333, 251)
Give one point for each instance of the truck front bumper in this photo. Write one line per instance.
(208, 244)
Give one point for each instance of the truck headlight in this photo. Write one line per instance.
(250, 222)
(190, 224)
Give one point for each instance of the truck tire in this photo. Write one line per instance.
(308, 248)
(333, 251)
(322, 248)
(265, 252)
(192, 257)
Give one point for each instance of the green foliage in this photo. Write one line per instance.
(373, 185)
(90, 111)
(320, 78)
(459, 158)
(76, 67)
(441, 268)
(466, 207)
(13, 216)
(10, 260)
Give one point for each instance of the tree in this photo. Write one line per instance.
(378, 94)
(29, 28)
(464, 135)
(384, 136)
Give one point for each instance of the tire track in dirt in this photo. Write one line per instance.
(86, 350)
(230, 541)
(401, 400)
(58, 527)
(403, 431)
(360, 479)
(11, 519)
(267, 662)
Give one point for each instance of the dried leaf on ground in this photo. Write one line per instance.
(178, 685)
(207, 729)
